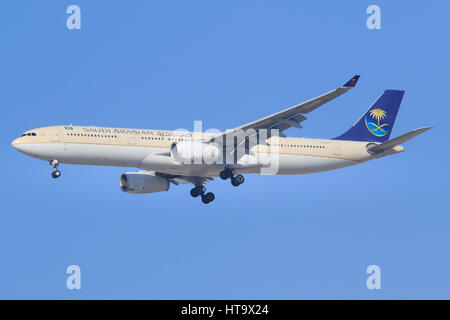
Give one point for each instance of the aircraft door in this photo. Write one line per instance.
(131, 140)
(54, 134)
(337, 150)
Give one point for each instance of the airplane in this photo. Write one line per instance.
(174, 157)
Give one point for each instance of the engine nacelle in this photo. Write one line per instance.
(195, 152)
(143, 182)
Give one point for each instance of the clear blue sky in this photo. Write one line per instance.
(164, 64)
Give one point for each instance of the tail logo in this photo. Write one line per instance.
(374, 122)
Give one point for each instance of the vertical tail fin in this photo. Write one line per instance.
(377, 122)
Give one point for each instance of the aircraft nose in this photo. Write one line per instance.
(25, 148)
(15, 143)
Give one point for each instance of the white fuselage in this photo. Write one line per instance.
(150, 150)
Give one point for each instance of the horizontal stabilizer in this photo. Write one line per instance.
(396, 141)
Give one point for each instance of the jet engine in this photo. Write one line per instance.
(195, 152)
(143, 182)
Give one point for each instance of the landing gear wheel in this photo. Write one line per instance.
(237, 180)
(54, 164)
(240, 178)
(208, 197)
(224, 175)
(56, 174)
(195, 192)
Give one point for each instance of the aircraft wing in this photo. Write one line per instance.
(178, 179)
(290, 117)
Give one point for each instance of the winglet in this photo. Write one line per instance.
(352, 82)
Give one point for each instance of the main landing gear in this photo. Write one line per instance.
(200, 191)
(54, 164)
(235, 179)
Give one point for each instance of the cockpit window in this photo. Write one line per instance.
(29, 134)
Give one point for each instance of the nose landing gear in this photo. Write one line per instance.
(56, 174)
(54, 164)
